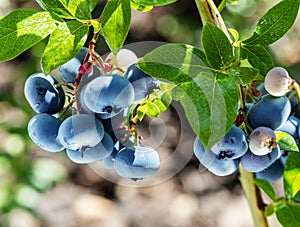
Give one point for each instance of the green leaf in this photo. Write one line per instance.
(215, 99)
(269, 210)
(96, 25)
(139, 7)
(233, 2)
(116, 18)
(245, 75)
(79, 9)
(64, 43)
(286, 141)
(22, 29)
(266, 187)
(297, 197)
(291, 174)
(217, 47)
(163, 101)
(55, 7)
(275, 23)
(234, 34)
(259, 58)
(92, 4)
(141, 112)
(288, 214)
(158, 101)
(154, 2)
(210, 100)
(148, 108)
(161, 97)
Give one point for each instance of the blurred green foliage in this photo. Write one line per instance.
(25, 172)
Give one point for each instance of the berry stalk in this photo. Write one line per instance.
(296, 87)
(91, 54)
(97, 60)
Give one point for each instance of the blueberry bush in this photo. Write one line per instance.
(241, 106)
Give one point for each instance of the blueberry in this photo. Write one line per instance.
(108, 162)
(75, 156)
(97, 153)
(256, 163)
(269, 111)
(261, 88)
(142, 83)
(294, 103)
(80, 132)
(272, 173)
(233, 145)
(284, 156)
(123, 59)
(291, 126)
(107, 95)
(69, 70)
(101, 150)
(218, 165)
(82, 105)
(42, 95)
(43, 130)
(137, 162)
(112, 124)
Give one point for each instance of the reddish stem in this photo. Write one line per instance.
(91, 54)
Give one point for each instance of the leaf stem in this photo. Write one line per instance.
(242, 100)
(254, 198)
(70, 104)
(296, 87)
(222, 5)
(132, 127)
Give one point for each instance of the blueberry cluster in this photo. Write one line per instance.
(96, 131)
(253, 145)
(224, 157)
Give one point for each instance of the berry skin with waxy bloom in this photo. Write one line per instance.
(42, 94)
(269, 111)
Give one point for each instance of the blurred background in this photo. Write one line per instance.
(41, 189)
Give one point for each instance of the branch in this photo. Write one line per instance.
(253, 196)
(204, 11)
(210, 13)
